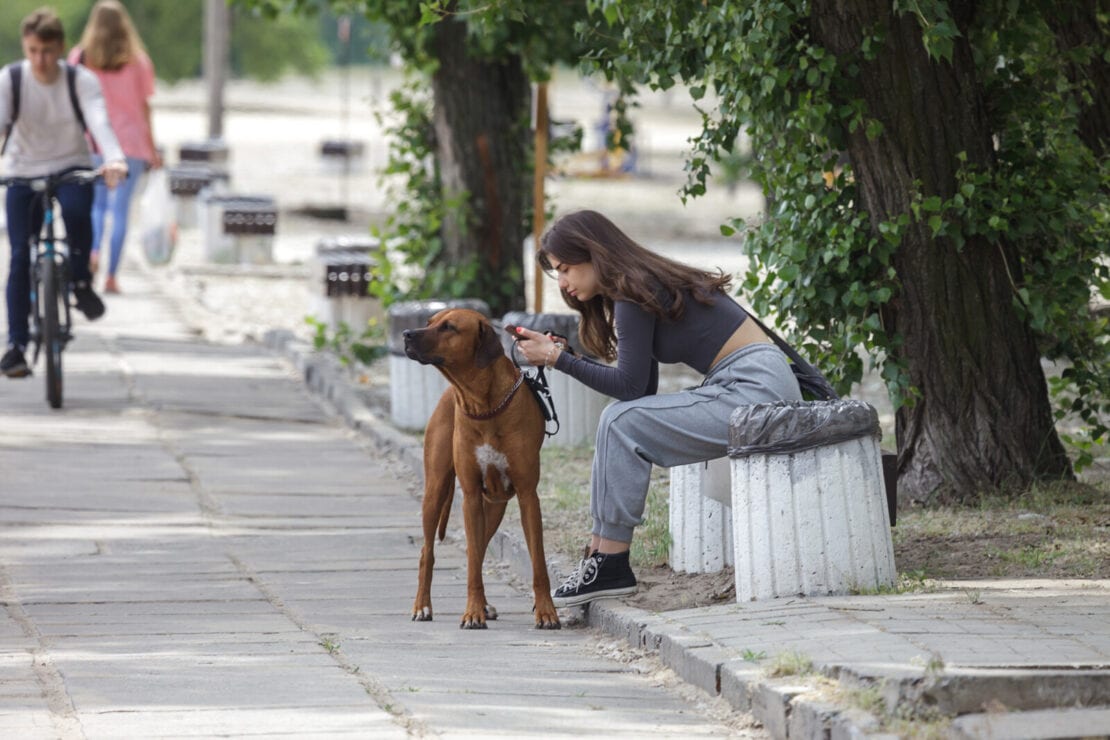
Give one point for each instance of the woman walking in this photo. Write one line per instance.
(111, 48)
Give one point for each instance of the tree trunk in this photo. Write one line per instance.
(983, 421)
(1076, 26)
(480, 117)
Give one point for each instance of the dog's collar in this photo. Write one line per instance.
(501, 406)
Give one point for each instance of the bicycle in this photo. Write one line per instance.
(51, 285)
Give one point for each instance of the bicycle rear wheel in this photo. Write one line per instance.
(52, 340)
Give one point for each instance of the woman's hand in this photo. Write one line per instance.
(114, 172)
(537, 348)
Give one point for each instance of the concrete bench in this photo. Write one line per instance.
(577, 406)
(415, 389)
(804, 508)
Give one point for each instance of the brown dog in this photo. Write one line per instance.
(487, 430)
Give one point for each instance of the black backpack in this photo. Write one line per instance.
(15, 71)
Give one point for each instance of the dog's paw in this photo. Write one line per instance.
(423, 614)
(546, 618)
(473, 624)
(491, 612)
(545, 615)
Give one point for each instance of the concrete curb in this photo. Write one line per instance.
(780, 704)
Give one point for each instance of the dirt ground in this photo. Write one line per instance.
(1061, 533)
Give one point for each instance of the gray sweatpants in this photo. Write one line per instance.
(676, 429)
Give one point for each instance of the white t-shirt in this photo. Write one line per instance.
(47, 137)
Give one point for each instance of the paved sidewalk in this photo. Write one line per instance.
(193, 546)
(1020, 658)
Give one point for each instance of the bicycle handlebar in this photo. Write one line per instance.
(52, 181)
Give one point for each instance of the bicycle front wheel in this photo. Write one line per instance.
(52, 340)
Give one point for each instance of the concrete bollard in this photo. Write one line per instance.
(700, 517)
(577, 407)
(415, 389)
(809, 507)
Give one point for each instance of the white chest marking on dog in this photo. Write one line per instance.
(487, 457)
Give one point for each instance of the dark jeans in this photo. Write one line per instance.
(25, 215)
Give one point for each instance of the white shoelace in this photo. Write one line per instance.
(583, 575)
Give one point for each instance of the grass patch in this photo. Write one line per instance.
(1051, 531)
(564, 491)
(789, 663)
(652, 543)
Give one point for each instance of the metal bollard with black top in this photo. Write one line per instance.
(343, 281)
(577, 406)
(415, 389)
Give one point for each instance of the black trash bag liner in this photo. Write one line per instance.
(783, 427)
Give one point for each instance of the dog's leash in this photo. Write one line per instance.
(540, 390)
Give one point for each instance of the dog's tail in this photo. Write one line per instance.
(445, 511)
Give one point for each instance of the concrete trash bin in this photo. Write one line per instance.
(209, 151)
(187, 183)
(700, 517)
(342, 156)
(415, 389)
(238, 229)
(577, 406)
(343, 279)
(809, 512)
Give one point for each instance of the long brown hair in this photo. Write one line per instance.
(110, 39)
(625, 271)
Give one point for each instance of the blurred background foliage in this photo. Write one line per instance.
(173, 34)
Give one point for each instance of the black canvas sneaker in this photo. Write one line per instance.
(598, 576)
(88, 302)
(13, 364)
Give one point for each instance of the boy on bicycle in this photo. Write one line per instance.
(48, 138)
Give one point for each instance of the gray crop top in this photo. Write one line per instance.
(643, 341)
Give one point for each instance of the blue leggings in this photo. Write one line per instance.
(118, 201)
(24, 219)
(672, 429)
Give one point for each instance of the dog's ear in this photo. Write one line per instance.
(489, 345)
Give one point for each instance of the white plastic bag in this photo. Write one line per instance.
(157, 223)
